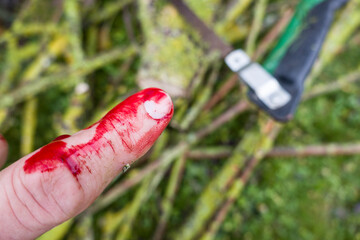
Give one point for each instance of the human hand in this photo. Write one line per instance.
(61, 179)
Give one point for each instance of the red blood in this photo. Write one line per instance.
(50, 157)
(57, 153)
(61, 137)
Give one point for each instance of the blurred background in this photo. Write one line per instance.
(222, 169)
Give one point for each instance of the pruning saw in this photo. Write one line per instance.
(277, 94)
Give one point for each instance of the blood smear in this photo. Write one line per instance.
(158, 107)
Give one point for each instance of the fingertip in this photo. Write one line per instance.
(158, 104)
(138, 121)
(3, 150)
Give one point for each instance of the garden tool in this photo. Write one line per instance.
(279, 93)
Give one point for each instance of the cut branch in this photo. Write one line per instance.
(222, 92)
(316, 150)
(225, 117)
(333, 149)
(270, 38)
(333, 86)
(74, 73)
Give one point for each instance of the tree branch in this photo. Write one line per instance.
(333, 149)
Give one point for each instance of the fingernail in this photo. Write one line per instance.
(158, 104)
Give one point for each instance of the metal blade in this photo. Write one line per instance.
(214, 41)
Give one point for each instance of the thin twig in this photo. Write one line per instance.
(222, 92)
(201, 100)
(343, 82)
(333, 149)
(109, 10)
(168, 201)
(228, 27)
(44, 83)
(238, 108)
(260, 11)
(211, 153)
(273, 34)
(129, 26)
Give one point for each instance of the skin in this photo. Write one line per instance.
(61, 179)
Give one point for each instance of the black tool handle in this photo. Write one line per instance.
(296, 64)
